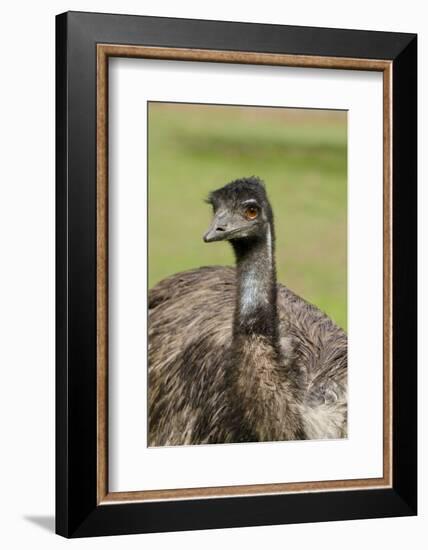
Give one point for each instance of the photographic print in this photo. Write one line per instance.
(236, 259)
(247, 274)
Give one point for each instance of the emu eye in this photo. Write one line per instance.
(251, 213)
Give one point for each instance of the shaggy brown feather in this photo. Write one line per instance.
(195, 396)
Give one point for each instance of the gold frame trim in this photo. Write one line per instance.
(104, 51)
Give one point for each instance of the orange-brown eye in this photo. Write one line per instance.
(251, 213)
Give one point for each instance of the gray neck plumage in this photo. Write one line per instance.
(258, 380)
(256, 307)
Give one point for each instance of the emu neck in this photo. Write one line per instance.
(256, 309)
(259, 379)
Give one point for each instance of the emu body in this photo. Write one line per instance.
(233, 355)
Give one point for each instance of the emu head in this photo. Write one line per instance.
(241, 211)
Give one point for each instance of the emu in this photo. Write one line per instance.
(234, 356)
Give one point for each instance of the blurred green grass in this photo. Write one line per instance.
(302, 157)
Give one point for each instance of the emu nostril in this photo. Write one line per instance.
(220, 229)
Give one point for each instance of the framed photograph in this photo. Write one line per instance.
(236, 274)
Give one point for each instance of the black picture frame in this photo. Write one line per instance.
(77, 512)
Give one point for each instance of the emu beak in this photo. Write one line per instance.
(215, 232)
(218, 229)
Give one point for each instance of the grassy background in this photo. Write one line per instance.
(302, 157)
